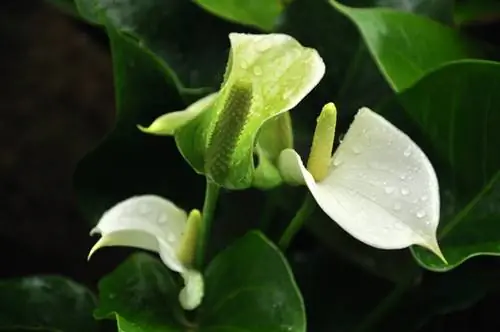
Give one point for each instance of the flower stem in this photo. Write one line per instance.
(211, 196)
(305, 211)
(384, 307)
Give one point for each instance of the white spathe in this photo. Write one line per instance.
(381, 188)
(152, 223)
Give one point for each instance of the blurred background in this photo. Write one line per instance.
(56, 101)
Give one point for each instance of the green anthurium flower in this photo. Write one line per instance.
(378, 186)
(153, 223)
(266, 75)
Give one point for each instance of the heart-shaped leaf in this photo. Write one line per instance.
(250, 287)
(48, 303)
(394, 39)
(457, 107)
(142, 295)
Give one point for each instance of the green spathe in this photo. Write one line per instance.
(266, 75)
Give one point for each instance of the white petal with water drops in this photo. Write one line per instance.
(385, 195)
(153, 223)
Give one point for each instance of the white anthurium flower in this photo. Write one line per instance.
(153, 223)
(378, 186)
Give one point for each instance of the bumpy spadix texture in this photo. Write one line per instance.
(153, 223)
(266, 75)
(380, 187)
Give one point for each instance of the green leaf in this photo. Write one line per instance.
(50, 303)
(143, 295)
(395, 41)
(250, 287)
(259, 13)
(174, 31)
(456, 106)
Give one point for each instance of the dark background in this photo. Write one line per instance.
(56, 102)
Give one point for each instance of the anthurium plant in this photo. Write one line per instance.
(294, 166)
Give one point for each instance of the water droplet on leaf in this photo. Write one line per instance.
(421, 214)
(389, 190)
(405, 191)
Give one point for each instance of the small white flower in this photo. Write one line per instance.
(379, 186)
(153, 223)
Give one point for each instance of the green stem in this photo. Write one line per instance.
(384, 307)
(305, 211)
(211, 196)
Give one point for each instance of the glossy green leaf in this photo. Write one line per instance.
(395, 41)
(457, 107)
(250, 287)
(258, 13)
(143, 293)
(47, 303)
(173, 31)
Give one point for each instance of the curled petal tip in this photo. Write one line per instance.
(99, 244)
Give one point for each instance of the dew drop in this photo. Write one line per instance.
(407, 152)
(389, 190)
(405, 191)
(143, 209)
(257, 71)
(162, 219)
(421, 214)
(286, 94)
(244, 64)
(263, 45)
(396, 206)
(171, 238)
(424, 198)
(356, 149)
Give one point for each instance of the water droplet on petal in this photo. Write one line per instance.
(143, 209)
(402, 176)
(257, 71)
(162, 219)
(405, 191)
(389, 190)
(421, 214)
(244, 64)
(396, 206)
(171, 238)
(407, 152)
(263, 45)
(424, 198)
(356, 149)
